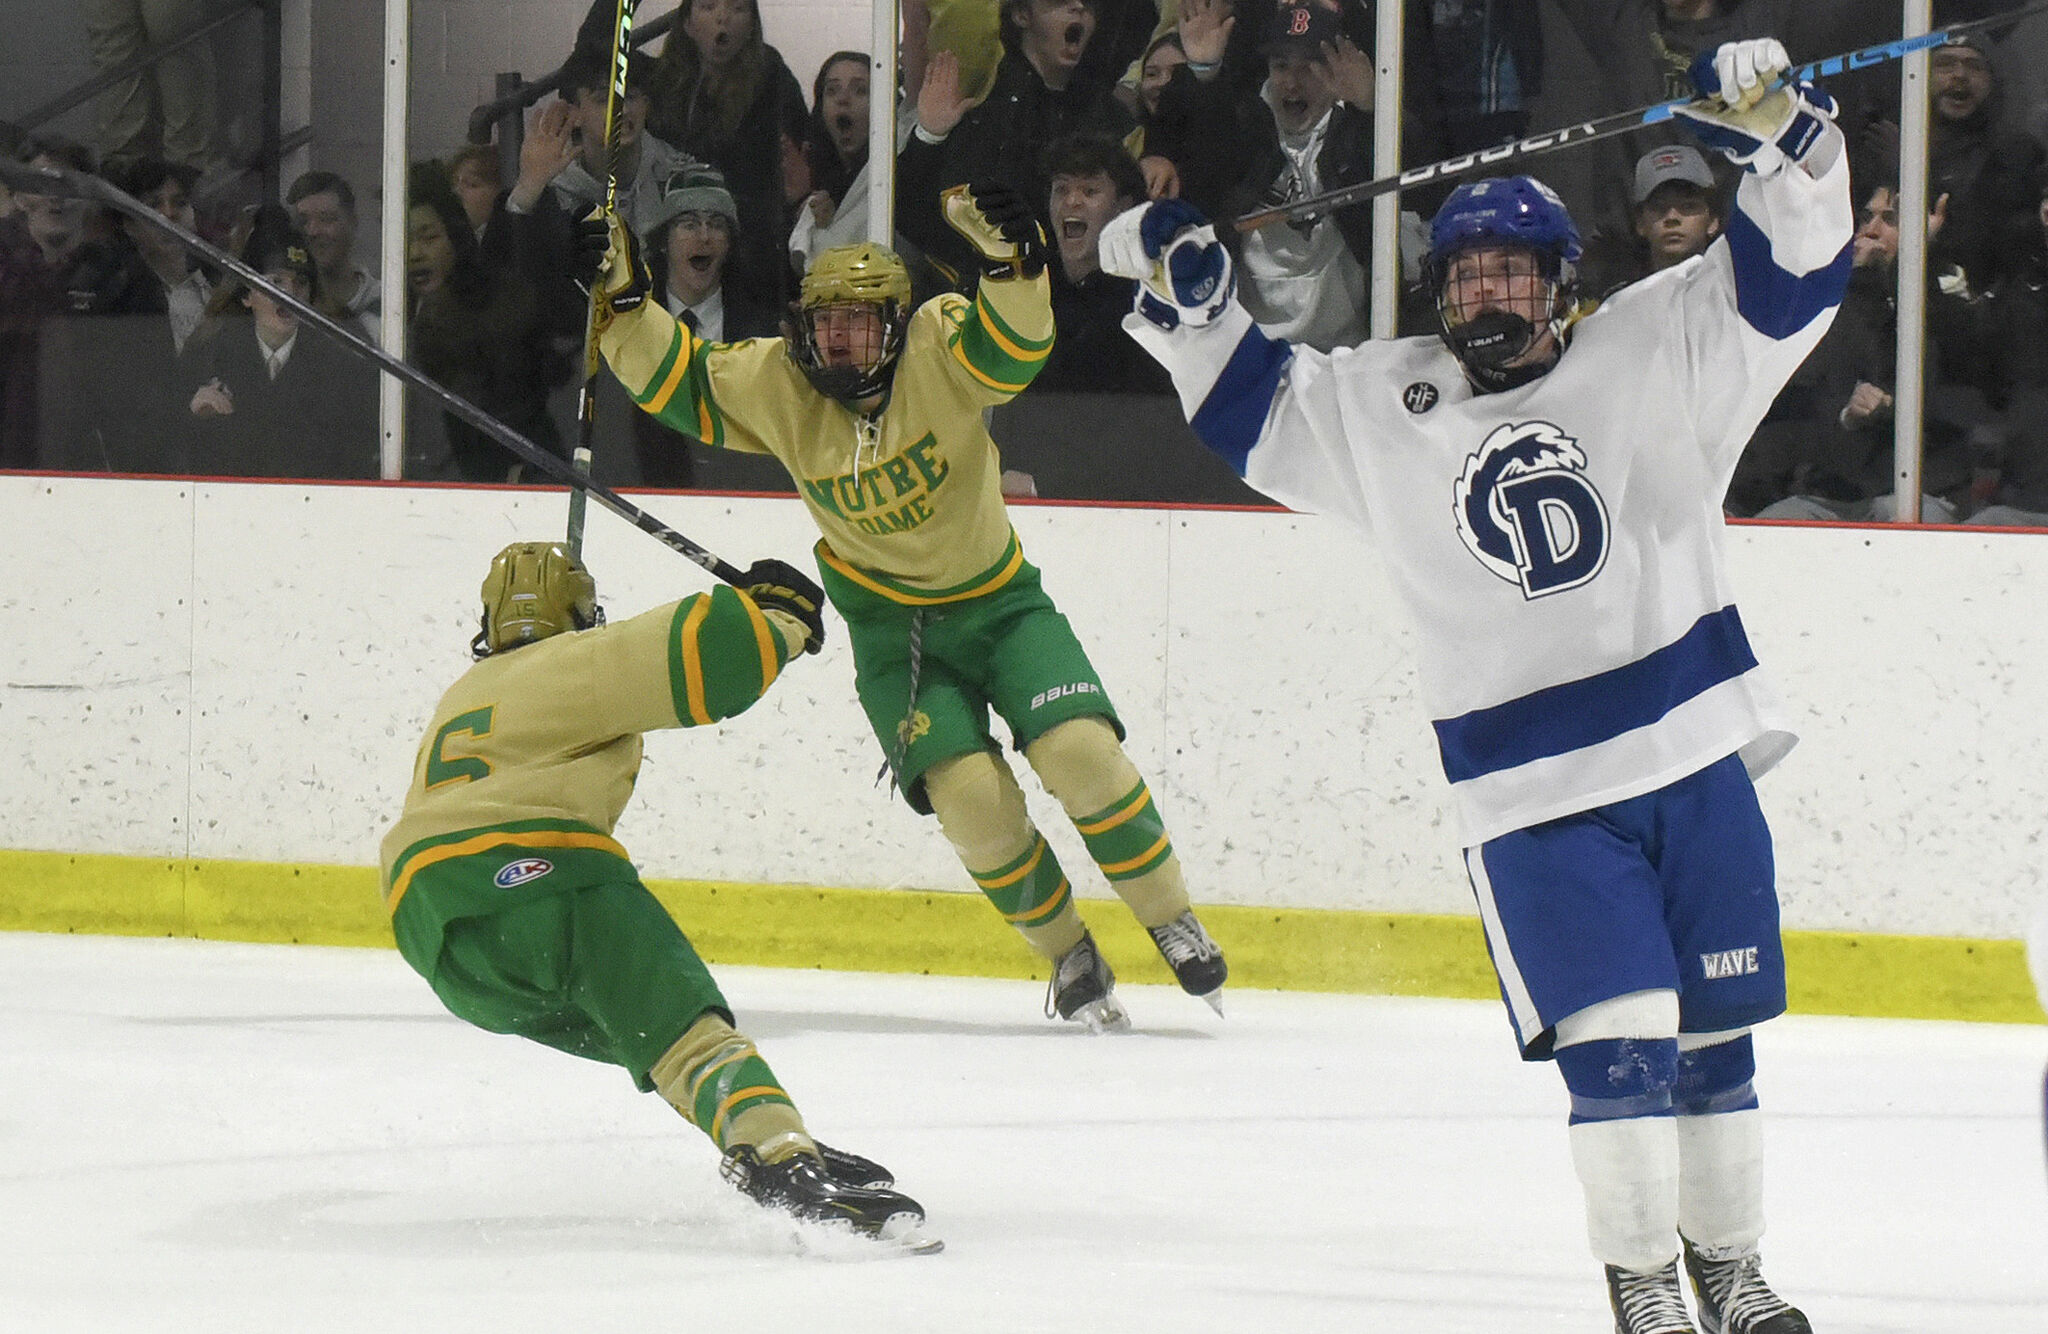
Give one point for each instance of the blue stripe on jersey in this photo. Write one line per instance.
(1235, 408)
(1573, 715)
(1778, 303)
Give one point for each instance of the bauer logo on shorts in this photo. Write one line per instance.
(513, 874)
(1524, 507)
(1045, 697)
(1728, 963)
(1419, 397)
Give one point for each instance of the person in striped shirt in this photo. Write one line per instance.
(875, 408)
(508, 893)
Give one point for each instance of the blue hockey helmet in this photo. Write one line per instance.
(1504, 210)
(1500, 349)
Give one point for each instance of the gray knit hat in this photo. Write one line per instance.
(697, 188)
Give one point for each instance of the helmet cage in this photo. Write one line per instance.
(849, 384)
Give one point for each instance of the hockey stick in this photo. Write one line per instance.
(77, 185)
(1608, 127)
(593, 360)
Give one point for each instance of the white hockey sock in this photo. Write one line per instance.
(1629, 1169)
(1721, 1180)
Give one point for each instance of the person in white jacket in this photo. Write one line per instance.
(1545, 485)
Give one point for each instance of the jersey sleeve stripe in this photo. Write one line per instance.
(1233, 412)
(1573, 715)
(669, 374)
(1775, 302)
(686, 665)
(767, 642)
(1007, 338)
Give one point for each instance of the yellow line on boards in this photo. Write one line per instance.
(918, 931)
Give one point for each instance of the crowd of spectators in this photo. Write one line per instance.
(119, 352)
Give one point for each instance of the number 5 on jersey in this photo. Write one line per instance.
(462, 768)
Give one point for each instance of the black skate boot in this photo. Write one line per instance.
(850, 1169)
(1648, 1303)
(1196, 960)
(1083, 989)
(801, 1185)
(1734, 1299)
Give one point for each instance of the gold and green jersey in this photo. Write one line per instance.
(909, 502)
(531, 756)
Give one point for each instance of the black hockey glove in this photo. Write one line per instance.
(776, 585)
(605, 250)
(1000, 225)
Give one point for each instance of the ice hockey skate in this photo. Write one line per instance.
(1734, 1299)
(1082, 988)
(1648, 1303)
(850, 1169)
(801, 1186)
(1196, 960)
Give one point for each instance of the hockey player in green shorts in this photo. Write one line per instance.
(509, 895)
(876, 411)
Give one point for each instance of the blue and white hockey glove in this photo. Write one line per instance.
(1184, 274)
(1754, 117)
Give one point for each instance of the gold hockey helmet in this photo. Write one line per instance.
(852, 275)
(534, 590)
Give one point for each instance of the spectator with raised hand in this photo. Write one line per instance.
(1306, 281)
(1986, 171)
(573, 174)
(1046, 87)
(270, 399)
(836, 149)
(723, 95)
(1842, 464)
(478, 331)
(324, 208)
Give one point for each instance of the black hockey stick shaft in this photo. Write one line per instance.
(77, 185)
(1608, 127)
(593, 360)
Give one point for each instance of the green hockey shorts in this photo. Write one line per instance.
(1011, 651)
(602, 972)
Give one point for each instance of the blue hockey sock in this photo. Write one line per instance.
(1716, 1079)
(1611, 1079)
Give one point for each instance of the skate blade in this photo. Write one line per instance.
(1104, 1016)
(1214, 999)
(903, 1234)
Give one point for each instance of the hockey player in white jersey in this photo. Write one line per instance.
(1545, 485)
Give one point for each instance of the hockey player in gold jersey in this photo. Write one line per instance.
(509, 895)
(876, 411)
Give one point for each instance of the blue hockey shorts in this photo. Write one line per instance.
(1673, 890)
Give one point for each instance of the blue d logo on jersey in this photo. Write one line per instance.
(1525, 509)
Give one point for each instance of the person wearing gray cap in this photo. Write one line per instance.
(1673, 205)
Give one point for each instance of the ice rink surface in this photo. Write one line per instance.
(199, 1136)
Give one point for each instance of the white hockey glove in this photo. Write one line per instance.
(1184, 274)
(1749, 111)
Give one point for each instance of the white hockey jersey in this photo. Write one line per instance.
(1559, 545)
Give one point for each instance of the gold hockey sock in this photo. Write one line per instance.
(981, 809)
(717, 1080)
(1032, 894)
(1084, 766)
